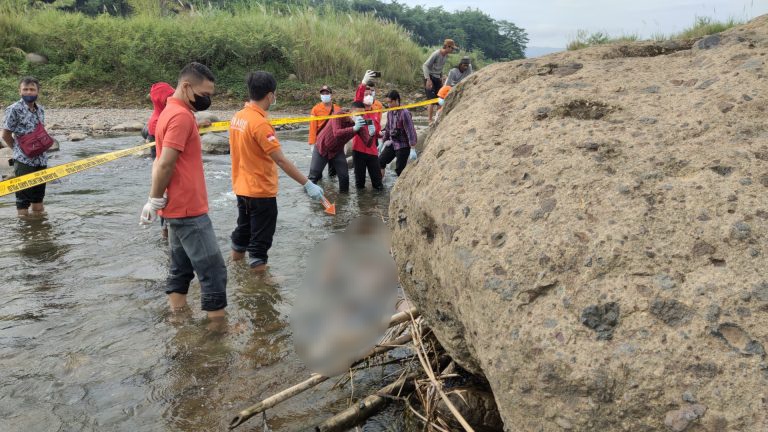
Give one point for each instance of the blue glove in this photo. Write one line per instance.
(359, 123)
(314, 191)
(384, 145)
(412, 155)
(371, 130)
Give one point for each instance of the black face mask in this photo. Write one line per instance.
(200, 103)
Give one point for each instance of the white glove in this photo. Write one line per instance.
(149, 212)
(311, 148)
(412, 155)
(369, 75)
(387, 143)
(314, 191)
(359, 123)
(371, 130)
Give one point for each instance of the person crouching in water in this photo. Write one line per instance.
(256, 154)
(399, 136)
(330, 145)
(365, 153)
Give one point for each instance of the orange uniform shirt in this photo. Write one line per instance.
(375, 107)
(177, 129)
(315, 126)
(251, 140)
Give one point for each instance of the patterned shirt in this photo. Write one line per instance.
(400, 120)
(20, 120)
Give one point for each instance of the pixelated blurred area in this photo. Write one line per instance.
(347, 297)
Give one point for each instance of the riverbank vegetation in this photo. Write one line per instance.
(109, 52)
(701, 27)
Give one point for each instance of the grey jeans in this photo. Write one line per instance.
(339, 161)
(194, 250)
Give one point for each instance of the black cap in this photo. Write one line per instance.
(325, 88)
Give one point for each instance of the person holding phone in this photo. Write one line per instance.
(365, 153)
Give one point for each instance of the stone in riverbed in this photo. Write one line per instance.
(128, 127)
(206, 115)
(35, 58)
(6, 170)
(76, 136)
(215, 143)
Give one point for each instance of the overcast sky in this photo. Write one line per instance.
(551, 23)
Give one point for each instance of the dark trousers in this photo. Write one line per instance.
(369, 162)
(339, 161)
(256, 223)
(153, 149)
(195, 250)
(33, 195)
(389, 153)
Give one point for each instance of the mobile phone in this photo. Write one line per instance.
(376, 74)
(368, 122)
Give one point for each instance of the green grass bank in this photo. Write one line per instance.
(702, 26)
(112, 61)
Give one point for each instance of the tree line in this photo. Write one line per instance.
(471, 28)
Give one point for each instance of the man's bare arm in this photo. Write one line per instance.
(288, 167)
(162, 171)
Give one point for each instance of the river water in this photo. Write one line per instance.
(87, 343)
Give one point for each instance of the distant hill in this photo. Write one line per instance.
(533, 51)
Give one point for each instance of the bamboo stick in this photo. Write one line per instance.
(316, 379)
(374, 403)
(369, 406)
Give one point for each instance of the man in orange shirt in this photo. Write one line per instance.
(324, 108)
(178, 193)
(256, 154)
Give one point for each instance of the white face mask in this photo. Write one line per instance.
(441, 101)
(368, 100)
(325, 98)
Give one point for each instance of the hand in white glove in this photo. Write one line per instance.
(311, 148)
(359, 123)
(384, 145)
(149, 212)
(412, 155)
(369, 75)
(314, 191)
(371, 130)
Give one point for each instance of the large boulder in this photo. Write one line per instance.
(588, 230)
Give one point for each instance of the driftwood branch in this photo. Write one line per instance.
(369, 406)
(316, 379)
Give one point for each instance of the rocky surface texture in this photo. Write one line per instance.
(588, 231)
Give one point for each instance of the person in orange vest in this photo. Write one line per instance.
(441, 95)
(256, 154)
(325, 107)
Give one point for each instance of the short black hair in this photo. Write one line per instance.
(27, 80)
(394, 95)
(357, 104)
(197, 71)
(260, 84)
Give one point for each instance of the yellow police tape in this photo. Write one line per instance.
(49, 174)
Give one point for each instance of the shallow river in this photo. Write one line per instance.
(86, 342)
